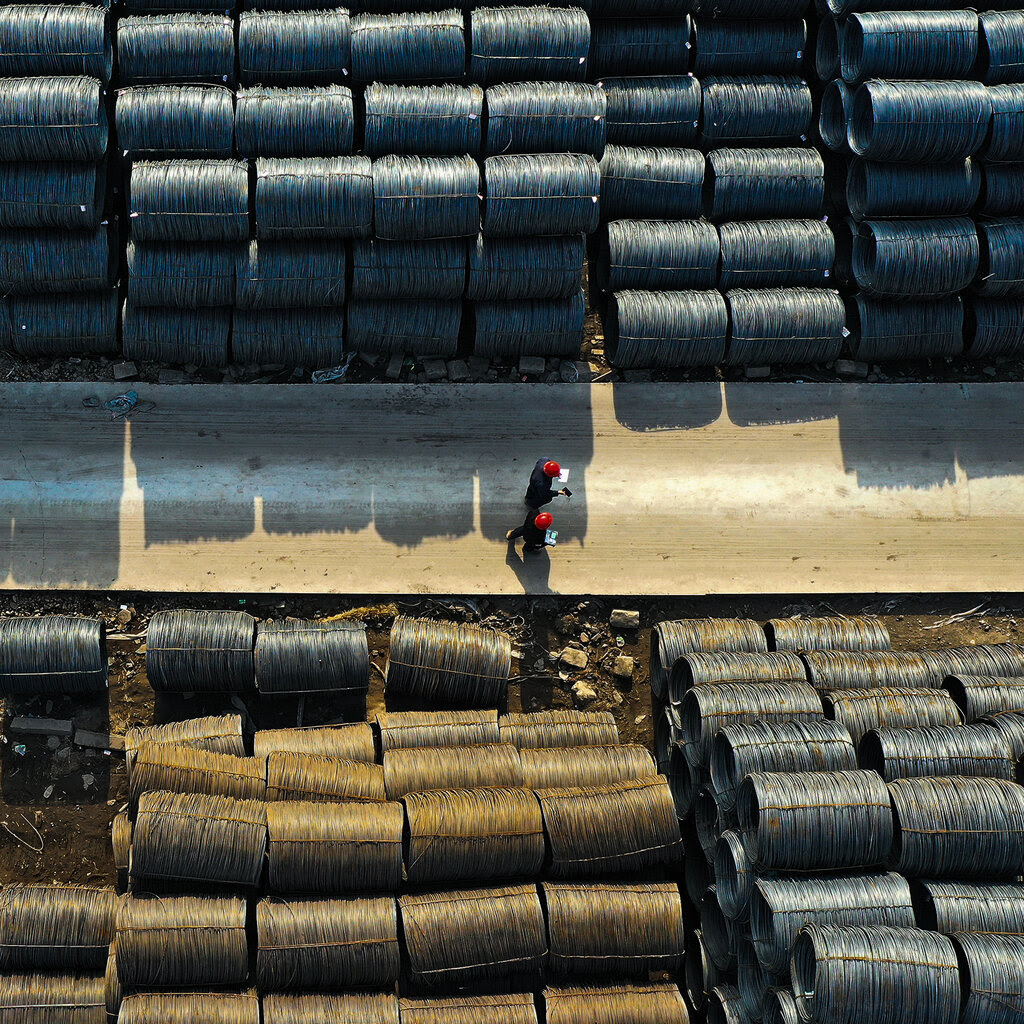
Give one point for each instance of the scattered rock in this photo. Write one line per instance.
(584, 638)
(757, 372)
(574, 658)
(42, 726)
(166, 376)
(639, 719)
(52, 742)
(617, 697)
(623, 667)
(636, 376)
(552, 378)
(479, 365)
(622, 619)
(990, 371)
(88, 781)
(124, 616)
(435, 369)
(532, 366)
(395, 364)
(370, 358)
(458, 371)
(583, 693)
(125, 371)
(48, 792)
(851, 368)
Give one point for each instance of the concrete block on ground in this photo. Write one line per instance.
(620, 618)
(42, 726)
(532, 366)
(458, 371)
(851, 368)
(623, 667)
(435, 369)
(757, 372)
(571, 657)
(99, 740)
(479, 365)
(125, 371)
(395, 364)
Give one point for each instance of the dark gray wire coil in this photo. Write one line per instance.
(882, 331)
(420, 769)
(711, 818)
(734, 875)
(52, 39)
(52, 195)
(718, 932)
(1001, 47)
(974, 750)
(182, 769)
(991, 976)
(181, 275)
(981, 696)
(423, 120)
(322, 778)
(192, 650)
(655, 183)
(918, 122)
(994, 327)
(784, 325)
(53, 998)
(426, 197)
(195, 837)
(560, 767)
(748, 47)
(909, 190)
(558, 728)
(725, 1005)
(414, 47)
(1002, 659)
(294, 47)
(219, 733)
(826, 49)
(639, 46)
(334, 847)
(779, 1005)
(60, 119)
(406, 729)
(1004, 143)
(752, 184)
(353, 741)
(951, 907)
(1011, 727)
(473, 934)
(853, 670)
(666, 329)
(472, 835)
(775, 253)
(744, 9)
(769, 110)
(60, 325)
(909, 44)
(828, 632)
(814, 821)
(733, 666)
(291, 275)
(383, 269)
(545, 117)
(377, 1007)
(657, 111)
(524, 44)
(506, 1008)
(42, 262)
(421, 326)
(702, 975)
(295, 121)
(658, 256)
(326, 944)
(685, 780)
(310, 656)
(834, 115)
(184, 47)
(613, 930)
(183, 942)
(176, 120)
(897, 707)
(167, 335)
(313, 338)
(752, 980)
(525, 268)
(185, 1007)
(957, 827)
(530, 327)
(1001, 265)
(52, 654)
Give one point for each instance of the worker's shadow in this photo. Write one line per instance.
(532, 571)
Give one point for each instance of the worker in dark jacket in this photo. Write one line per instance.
(540, 492)
(533, 530)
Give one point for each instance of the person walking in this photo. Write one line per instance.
(533, 531)
(539, 492)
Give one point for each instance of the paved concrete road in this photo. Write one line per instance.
(677, 489)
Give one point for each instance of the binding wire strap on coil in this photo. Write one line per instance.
(291, 275)
(980, 696)
(188, 1007)
(176, 120)
(525, 268)
(992, 977)
(768, 47)
(294, 337)
(220, 733)
(186, 47)
(383, 269)
(775, 253)
(181, 769)
(558, 728)
(168, 335)
(60, 325)
(883, 331)
(307, 656)
(180, 275)
(506, 1008)
(353, 741)
(53, 999)
(1001, 47)
(426, 197)
(423, 327)
(974, 750)
(662, 256)
(45, 39)
(659, 111)
(473, 835)
(409, 729)
(834, 114)
(532, 327)
(559, 767)
(373, 1007)
(294, 47)
(618, 1004)
(473, 934)
(655, 183)
(333, 848)
(1001, 266)
(423, 120)
(951, 907)
(43, 262)
(193, 837)
(630, 46)
(785, 325)
(297, 121)
(853, 670)
(52, 195)
(1004, 142)
(183, 941)
(833, 633)
(412, 47)
(751, 184)
(892, 707)
(995, 327)
(545, 117)
(769, 110)
(528, 44)
(52, 654)
(191, 651)
(911, 190)
(322, 778)
(325, 944)
(62, 119)
(418, 769)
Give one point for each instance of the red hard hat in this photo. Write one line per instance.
(552, 469)
(543, 520)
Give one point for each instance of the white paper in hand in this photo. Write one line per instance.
(563, 476)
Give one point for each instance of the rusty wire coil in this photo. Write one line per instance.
(327, 944)
(112, 987)
(323, 779)
(417, 769)
(221, 734)
(691, 670)
(1005, 659)
(711, 818)
(196, 650)
(334, 848)
(734, 875)
(984, 696)
(362, 1007)
(353, 741)
(890, 707)
(862, 670)
(613, 930)
(976, 750)
(717, 930)
(468, 835)
(182, 769)
(950, 907)
(560, 767)
(560, 727)
(52, 653)
(194, 837)
(447, 663)
(120, 846)
(779, 1005)
(303, 656)
(702, 974)
(53, 999)
(507, 1008)
(832, 633)
(190, 1007)
(405, 729)
(991, 977)
(602, 830)
(181, 942)
(56, 927)
(473, 934)
(621, 1004)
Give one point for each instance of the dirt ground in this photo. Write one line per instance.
(57, 800)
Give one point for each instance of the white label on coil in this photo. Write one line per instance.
(799, 53)
(827, 272)
(803, 138)
(223, 78)
(133, 214)
(593, 199)
(125, 153)
(583, 60)
(82, 208)
(687, 46)
(846, 333)
(24, 327)
(472, 117)
(480, 197)
(344, 71)
(597, 117)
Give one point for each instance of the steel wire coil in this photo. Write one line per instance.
(1001, 47)
(294, 337)
(469, 835)
(717, 931)
(662, 110)
(311, 656)
(55, 927)
(294, 47)
(188, 1007)
(981, 907)
(545, 117)
(367, 1007)
(664, 738)
(779, 1006)
(506, 1008)
(410, 729)
(909, 44)
(852, 670)
(528, 44)
(1001, 265)
(53, 999)
(749, 47)
(55, 39)
(826, 50)
(353, 741)
(734, 875)
(473, 934)
(42, 262)
(918, 122)
(684, 780)
(195, 837)
(408, 47)
(291, 275)
(994, 327)
(666, 329)
(753, 184)
(193, 650)
(833, 633)
(784, 325)
(711, 817)
(181, 275)
(220, 733)
(47, 654)
(541, 194)
(52, 195)
(1011, 727)
(113, 990)
(702, 975)
(1002, 659)
(59, 119)
(183, 941)
(426, 197)
(530, 327)
(184, 47)
(602, 830)
(323, 778)
(384, 269)
(327, 944)
(619, 1004)
(834, 115)
(525, 268)
(775, 253)
(562, 767)
(294, 122)
(814, 821)
(897, 975)
(905, 190)
(60, 325)
(613, 930)
(752, 980)
(882, 331)
(419, 769)
(1004, 142)
(559, 727)
(425, 327)
(983, 696)
(766, 110)
(639, 46)
(120, 847)
(663, 256)
(974, 750)
(651, 183)
(423, 120)
(991, 971)
(893, 707)
(176, 120)
(334, 848)
(167, 335)
(447, 663)
(694, 668)
(184, 769)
